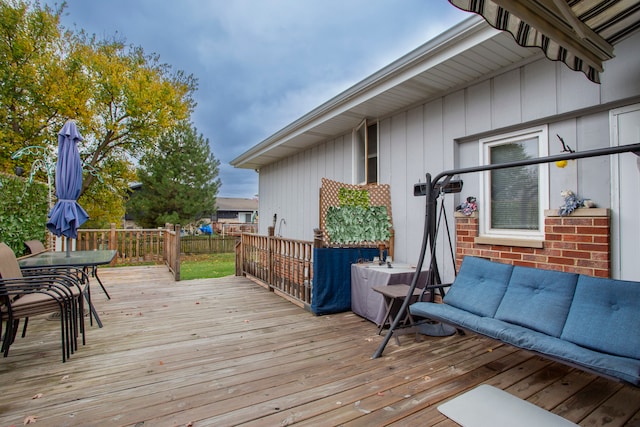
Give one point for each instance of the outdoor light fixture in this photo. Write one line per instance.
(449, 186)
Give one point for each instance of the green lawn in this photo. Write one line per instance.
(207, 266)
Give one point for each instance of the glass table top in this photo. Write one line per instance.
(72, 259)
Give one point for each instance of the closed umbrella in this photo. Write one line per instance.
(67, 215)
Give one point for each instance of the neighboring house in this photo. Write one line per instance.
(469, 97)
(235, 215)
(235, 210)
(229, 210)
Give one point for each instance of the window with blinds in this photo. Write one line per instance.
(514, 191)
(513, 199)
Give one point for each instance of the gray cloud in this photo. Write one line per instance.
(263, 63)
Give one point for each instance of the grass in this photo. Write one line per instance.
(207, 266)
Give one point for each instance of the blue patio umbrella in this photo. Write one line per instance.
(67, 215)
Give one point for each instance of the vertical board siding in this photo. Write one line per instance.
(384, 151)
(539, 91)
(343, 159)
(478, 106)
(329, 159)
(567, 178)
(398, 178)
(290, 187)
(593, 177)
(620, 79)
(443, 133)
(415, 173)
(310, 195)
(506, 98)
(295, 226)
(454, 123)
(574, 94)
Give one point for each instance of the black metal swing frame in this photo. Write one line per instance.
(432, 188)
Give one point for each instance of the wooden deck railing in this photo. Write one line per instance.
(172, 250)
(135, 246)
(284, 266)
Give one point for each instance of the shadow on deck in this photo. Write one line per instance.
(227, 352)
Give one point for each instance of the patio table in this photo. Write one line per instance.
(365, 301)
(80, 259)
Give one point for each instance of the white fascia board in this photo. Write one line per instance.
(450, 43)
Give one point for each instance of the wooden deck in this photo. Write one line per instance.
(228, 352)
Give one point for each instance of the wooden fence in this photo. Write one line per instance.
(207, 244)
(284, 266)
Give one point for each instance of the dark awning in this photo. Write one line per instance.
(579, 33)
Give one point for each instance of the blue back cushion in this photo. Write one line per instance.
(538, 299)
(605, 316)
(479, 286)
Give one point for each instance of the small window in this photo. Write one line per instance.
(366, 153)
(513, 200)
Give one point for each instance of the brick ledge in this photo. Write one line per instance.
(590, 212)
(507, 241)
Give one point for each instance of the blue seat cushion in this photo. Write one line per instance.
(447, 314)
(625, 368)
(538, 299)
(479, 286)
(605, 316)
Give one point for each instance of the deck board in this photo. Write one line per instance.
(225, 351)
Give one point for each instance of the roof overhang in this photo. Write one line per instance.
(468, 52)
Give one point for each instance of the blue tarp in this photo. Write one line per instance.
(331, 292)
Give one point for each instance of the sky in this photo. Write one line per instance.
(261, 64)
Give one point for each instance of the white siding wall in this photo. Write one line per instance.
(442, 134)
(290, 188)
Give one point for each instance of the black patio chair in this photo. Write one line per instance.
(35, 246)
(40, 291)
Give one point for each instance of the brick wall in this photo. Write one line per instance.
(578, 243)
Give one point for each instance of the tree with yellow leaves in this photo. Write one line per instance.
(122, 99)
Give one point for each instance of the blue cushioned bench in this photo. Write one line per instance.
(588, 322)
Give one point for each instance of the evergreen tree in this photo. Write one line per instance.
(179, 180)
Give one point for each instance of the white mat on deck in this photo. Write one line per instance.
(487, 406)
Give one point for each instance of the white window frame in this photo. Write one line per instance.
(356, 155)
(484, 202)
(620, 208)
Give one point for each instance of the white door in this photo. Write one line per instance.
(625, 239)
